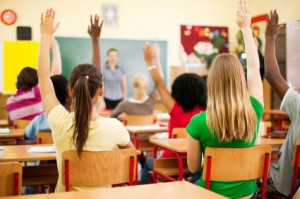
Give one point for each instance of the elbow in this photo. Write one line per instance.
(193, 166)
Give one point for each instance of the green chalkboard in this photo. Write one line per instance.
(79, 50)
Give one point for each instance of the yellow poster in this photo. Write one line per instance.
(17, 55)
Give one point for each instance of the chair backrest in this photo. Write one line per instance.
(179, 133)
(236, 164)
(20, 124)
(296, 165)
(44, 137)
(99, 168)
(11, 179)
(139, 120)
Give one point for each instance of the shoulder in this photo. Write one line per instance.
(196, 125)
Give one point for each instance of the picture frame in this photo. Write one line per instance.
(110, 15)
(258, 26)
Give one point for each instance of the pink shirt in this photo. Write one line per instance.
(179, 119)
(25, 104)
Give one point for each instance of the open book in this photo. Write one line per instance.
(42, 149)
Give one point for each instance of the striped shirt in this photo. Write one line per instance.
(25, 104)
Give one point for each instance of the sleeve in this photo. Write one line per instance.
(291, 104)
(32, 129)
(118, 110)
(193, 127)
(59, 119)
(258, 108)
(123, 137)
(154, 95)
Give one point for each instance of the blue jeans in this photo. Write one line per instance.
(148, 166)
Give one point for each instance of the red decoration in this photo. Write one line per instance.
(8, 17)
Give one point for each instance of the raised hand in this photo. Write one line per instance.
(148, 54)
(272, 25)
(47, 23)
(155, 51)
(243, 17)
(94, 29)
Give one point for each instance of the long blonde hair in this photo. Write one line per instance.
(229, 112)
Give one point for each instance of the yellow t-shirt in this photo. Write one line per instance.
(105, 134)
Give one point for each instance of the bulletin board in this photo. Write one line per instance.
(16, 56)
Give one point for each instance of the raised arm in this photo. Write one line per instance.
(94, 30)
(56, 68)
(182, 61)
(255, 86)
(156, 59)
(271, 66)
(46, 87)
(165, 95)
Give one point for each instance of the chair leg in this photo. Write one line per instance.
(295, 171)
(208, 172)
(16, 184)
(67, 175)
(265, 175)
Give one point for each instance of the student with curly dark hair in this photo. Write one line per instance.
(188, 98)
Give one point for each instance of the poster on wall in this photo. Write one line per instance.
(202, 43)
(259, 25)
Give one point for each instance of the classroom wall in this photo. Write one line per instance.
(141, 19)
(138, 19)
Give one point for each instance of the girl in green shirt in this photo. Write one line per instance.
(235, 107)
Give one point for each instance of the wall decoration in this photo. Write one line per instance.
(8, 17)
(110, 15)
(259, 25)
(203, 43)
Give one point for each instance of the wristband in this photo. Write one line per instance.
(151, 67)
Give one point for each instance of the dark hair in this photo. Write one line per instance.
(109, 51)
(27, 78)
(189, 91)
(112, 50)
(60, 84)
(84, 81)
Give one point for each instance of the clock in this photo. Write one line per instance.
(8, 17)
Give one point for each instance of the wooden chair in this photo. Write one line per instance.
(179, 133)
(237, 164)
(296, 165)
(98, 168)
(11, 179)
(139, 120)
(20, 124)
(44, 137)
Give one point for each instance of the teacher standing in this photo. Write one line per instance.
(114, 80)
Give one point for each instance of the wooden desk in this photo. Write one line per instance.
(174, 190)
(4, 123)
(19, 153)
(15, 133)
(280, 116)
(179, 147)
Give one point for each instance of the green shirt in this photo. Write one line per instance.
(199, 130)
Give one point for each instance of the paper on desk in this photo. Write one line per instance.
(163, 116)
(41, 149)
(2, 152)
(4, 130)
(162, 135)
(147, 127)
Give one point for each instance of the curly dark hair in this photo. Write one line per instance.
(189, 91)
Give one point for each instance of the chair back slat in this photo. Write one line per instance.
(99, 168)
(236, 164)
(11, 179)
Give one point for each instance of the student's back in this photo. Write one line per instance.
(83, 129)
(234, 111)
